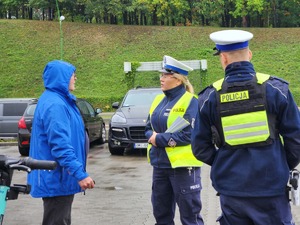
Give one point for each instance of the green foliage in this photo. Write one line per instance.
(103, 103)
(99, 53)
(203, 79)
(130, 76)
(242, 7)
(225, 13)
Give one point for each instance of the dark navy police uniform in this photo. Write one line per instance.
(251, 181)
(179, 185)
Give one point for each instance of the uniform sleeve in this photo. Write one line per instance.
(148, 128)
(182, 137)
(202, 145)
(288, 117)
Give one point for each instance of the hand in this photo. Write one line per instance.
(152, 139)
(87, 183)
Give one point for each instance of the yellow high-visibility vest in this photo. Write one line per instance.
(246, 128)
(179, 156)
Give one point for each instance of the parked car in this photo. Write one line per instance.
(94, 124)
(127, 124)
(11, 110)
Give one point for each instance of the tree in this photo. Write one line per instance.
(245, 8)
(225, 13)
(287, 13)
(209, 11)
(45, 8)
(13, 6)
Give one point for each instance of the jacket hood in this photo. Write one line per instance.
(57, 75)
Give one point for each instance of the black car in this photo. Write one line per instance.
(94, 124)
(127, 125)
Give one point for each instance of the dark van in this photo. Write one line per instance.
(11, 110)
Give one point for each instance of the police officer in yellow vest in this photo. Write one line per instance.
(246, 114)
(176, 172)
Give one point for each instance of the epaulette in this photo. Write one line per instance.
(280, 84)
(203, 90)
(279, 79)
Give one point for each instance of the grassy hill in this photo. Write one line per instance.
(99, 51)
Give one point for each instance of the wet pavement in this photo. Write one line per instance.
(121, 196)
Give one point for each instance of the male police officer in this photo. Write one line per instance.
(255, 127)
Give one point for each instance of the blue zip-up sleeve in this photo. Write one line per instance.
(57, 122)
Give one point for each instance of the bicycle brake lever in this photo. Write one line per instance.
(20, 167)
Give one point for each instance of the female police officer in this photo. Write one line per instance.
(176, 172)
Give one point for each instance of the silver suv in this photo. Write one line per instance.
(11, 110)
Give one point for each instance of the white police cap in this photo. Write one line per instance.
(230, 40)
(171, 65)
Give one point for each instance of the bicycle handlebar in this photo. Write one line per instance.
(26, 164)
(39, 164)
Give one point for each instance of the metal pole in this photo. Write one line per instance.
(61, 18)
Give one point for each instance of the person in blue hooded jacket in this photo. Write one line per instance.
(247, 129)
(58, 134)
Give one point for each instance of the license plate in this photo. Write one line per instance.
(140, 145)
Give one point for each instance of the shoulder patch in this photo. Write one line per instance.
(172, 143)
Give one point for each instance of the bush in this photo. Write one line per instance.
(104, 103)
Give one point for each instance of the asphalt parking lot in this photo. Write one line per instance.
(121, 196)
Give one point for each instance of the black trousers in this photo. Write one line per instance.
(57, 210)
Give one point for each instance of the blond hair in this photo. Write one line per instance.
(185, 81)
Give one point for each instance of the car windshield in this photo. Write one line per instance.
(140, 98)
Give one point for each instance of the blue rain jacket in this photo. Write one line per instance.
(58, 134)
(158, 155)
(250, 172)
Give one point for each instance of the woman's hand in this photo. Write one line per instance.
(87, 183)
(152, 139)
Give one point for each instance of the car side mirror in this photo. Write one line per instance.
(115, 105)
(98, 111)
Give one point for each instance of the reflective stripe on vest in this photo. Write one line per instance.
(154, 104)
(244, 128)
(179, 156)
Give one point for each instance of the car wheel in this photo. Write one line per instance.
(24, 151)
(115, 150)
(102, 138)
(103, 135)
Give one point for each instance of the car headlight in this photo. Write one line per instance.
(118, 119)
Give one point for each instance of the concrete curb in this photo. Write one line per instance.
(8, 143)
